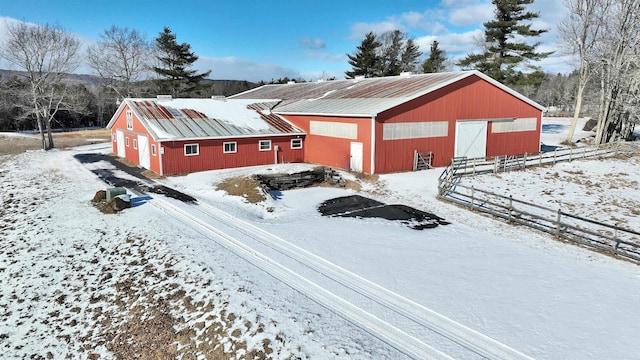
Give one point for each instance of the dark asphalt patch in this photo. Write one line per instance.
(140, 187)
(362, 207)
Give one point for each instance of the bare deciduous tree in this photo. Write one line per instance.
(617, 68)
(121, 57)
(46, 53)
(581, 30)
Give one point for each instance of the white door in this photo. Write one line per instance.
(471, 139)
(120, 143)
(356, 157)
(144, 157)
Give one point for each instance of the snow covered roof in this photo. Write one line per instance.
(172, 119)
(362, 97)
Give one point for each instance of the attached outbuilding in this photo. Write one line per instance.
(378, 125)
(174, 136)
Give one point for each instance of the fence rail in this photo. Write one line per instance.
(611, 239)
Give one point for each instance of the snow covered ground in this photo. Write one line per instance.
(83, 284)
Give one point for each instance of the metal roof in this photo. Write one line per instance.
(361, 97)
(173, 119)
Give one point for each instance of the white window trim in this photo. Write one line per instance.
(235, 147)
(153, 150)
(192, 154)
(296, 140)
(126, 141)
(135, 144)
(264, 142)
(129, 120)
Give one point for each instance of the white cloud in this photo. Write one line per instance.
(471, 15)
(359, 30)
(454, 44)
(310, 43)
(232, 68)
(323, 55)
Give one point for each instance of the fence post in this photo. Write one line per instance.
(540, 159)
(495, 165)
(474, 166)
(555, 152)
(472, 197)
(558, 223)
(415, 160)
(570, 153)
(510, 207)
(617, 148)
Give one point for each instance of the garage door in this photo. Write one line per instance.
(471, 139)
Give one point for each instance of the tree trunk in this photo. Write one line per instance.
(576, 113)
(50, 136)
(41, 131)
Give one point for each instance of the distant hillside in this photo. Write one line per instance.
(219, 87)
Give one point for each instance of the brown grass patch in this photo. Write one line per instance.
(367, 177)
(16, 145)
(152, 175)
(127, 162)
(246, 187)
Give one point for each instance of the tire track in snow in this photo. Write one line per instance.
(398, 339)
(470, 339)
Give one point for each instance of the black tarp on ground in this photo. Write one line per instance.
(362, 207)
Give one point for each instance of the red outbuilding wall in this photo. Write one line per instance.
(334, 151)
(211, 154)
(131, 134)
(471, 98)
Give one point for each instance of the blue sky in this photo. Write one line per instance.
(264, 40)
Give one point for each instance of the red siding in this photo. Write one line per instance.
(470, 98)
(131, 153)
(211, 155)
(332, 151)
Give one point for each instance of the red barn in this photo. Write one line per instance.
(376, 125)
(172, 136)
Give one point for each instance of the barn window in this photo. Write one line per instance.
(191, 149)
(135, 144)
(264, 145)
(129, 120)
(296, 143)
(126, 142)
(415, 130)
(514, 125)
(334, 129)
(230, 147)
(153, 149)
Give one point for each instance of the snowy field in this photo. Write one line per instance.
(147, 282)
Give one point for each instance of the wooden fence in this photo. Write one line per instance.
(611, 239)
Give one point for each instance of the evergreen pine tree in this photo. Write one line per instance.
(507, 54)
(435, 62)
(365, 61)
(174, 62)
